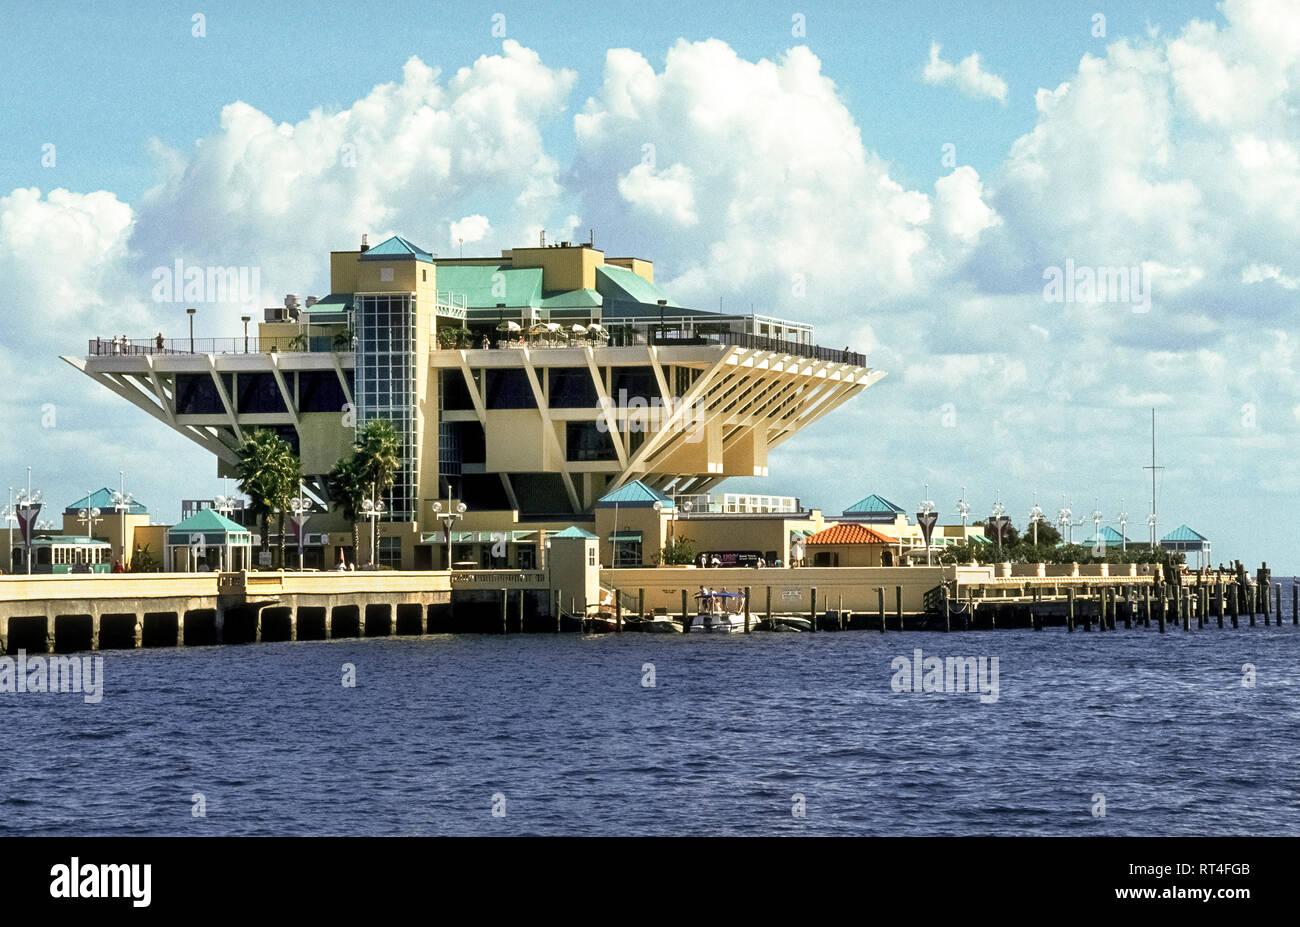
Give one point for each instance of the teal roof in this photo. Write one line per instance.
(620, 283)
(635, 494)
(1109, 536)
(335, 302)
(523, 285)
(573, 531)
(102, 499)
(208, 520)
(65, 539)
(396, 247)
(580, 299)
(1183, 533)
(873, 505)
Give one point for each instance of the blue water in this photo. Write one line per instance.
(563, 728)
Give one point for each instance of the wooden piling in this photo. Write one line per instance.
(618, 611)
(746, 609)
(1069, 609)
(1146, 611)
(1161, 595)
(640, 605)
(1252, 593)
(1234, 604)
(768, 612)
(505, 601)
(1218, 601)
(839, 614)
(1295, 602)
(898, 605)
(812, 610)
(947, 616)
(880, 599)
(521, 611)
(686, 626)
(1277, 589)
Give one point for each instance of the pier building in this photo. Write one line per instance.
(528, 386)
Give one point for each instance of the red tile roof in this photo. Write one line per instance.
(847, 534)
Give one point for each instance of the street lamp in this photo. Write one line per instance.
(27, 508)
(1123, 529)
(10, 517)
(190, 313)
(925, 520)
(963, 509)
(122, 501)
(1098, 544)
(245, 319)
(88, 516)
(1063, 518)
(449, 518)
(301, 509)
(374, 510)
(999, 520)
(1035, 516)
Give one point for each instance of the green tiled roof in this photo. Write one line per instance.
(102, 499)
(634, 494)
(617, 282)
(523, 285)
(573, 531)
(396, 247)
(1109, 536)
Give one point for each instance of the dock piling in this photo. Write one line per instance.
(880, 599)
(898, 605)
(813, 608)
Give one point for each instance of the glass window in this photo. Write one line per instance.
(196, 394)
(259, 393)
(587, 441)
(320, 391)
(572, 388)
(508, 389)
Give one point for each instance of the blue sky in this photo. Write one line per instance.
(1170, 142)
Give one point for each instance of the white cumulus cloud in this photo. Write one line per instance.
(967, 75)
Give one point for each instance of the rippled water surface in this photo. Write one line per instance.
(564, 730)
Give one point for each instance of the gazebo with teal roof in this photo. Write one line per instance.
(1184, 540)
(1109, 538)
(190, 541)
(873, 509)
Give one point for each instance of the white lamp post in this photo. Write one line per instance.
(1123, 527)
(1098, 543)
(927, 506)
(122, 501)
(449, 518)
(301, 509)
(88, 516)
(10, 517)
(28, 499)
(374, 510)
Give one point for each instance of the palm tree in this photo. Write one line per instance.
(349, 487)
(268, 472)
(378, 454)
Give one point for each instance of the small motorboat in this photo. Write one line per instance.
(720, 612)
(784, 623)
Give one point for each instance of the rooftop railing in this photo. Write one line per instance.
(284, 344)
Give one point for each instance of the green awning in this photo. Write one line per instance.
(625, 536)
